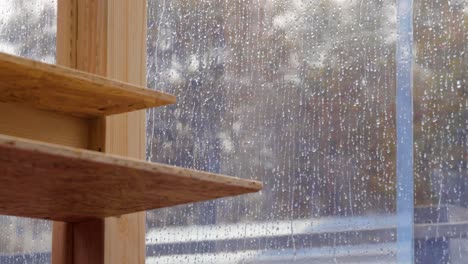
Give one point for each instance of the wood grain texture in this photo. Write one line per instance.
(82, 45)
(48, 181)
(82, 242)
(88, 242)
(56, 88)
(67, 29)
(42, 125)
(62, 243)
(125, 133)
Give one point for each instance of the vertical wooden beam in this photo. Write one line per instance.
(125, 133)
(106, 37)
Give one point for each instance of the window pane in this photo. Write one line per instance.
(297, 94)
(441, 125)
(28, 29)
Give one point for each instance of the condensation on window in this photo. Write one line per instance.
(441, 130)
(297, 94)
(28, 29)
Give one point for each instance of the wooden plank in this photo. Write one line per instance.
(62, 243)
(84, 28)
(47, 126)
(57, 88)
(85, 238)
(67, 34)
(126, 133)
(82, 45)
(88, 242)
(47, 181)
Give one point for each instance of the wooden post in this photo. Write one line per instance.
(105, 37)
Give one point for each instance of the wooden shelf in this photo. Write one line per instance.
(47, 181)
(56, 88)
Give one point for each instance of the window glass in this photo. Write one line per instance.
(440, 131)
(28, 29)
(297, 94)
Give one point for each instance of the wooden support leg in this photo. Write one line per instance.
(78, 242)
(106, 37)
